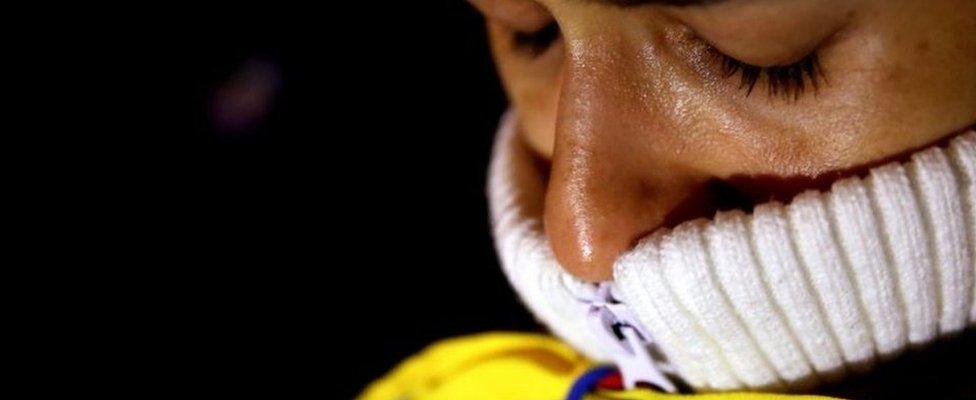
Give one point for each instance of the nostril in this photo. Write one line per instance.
(587, 240)
(727, 197)
(712, 196)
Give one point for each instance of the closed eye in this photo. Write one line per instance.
(537, 42)
(786, 81)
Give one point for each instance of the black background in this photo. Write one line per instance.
(307, 252)
(348, 228)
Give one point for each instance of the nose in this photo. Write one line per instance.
(614, 175)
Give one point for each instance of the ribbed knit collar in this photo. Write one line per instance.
(785, 297)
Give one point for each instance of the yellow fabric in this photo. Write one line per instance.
(501, 366)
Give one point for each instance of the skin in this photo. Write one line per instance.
(638, 127)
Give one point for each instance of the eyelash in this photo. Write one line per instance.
(786, 81)
(536, 43)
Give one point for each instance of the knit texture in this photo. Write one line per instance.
(785, 297)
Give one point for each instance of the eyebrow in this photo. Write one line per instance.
(631, 3)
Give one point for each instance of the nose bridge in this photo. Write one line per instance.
(606, 186)
(594, 90)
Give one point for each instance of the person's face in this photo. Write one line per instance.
(650, 114)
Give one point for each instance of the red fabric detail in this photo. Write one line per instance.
(612, 381)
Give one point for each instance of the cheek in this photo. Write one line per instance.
(538, 109)
(533, 87)
(899, 85)
(891, 87)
